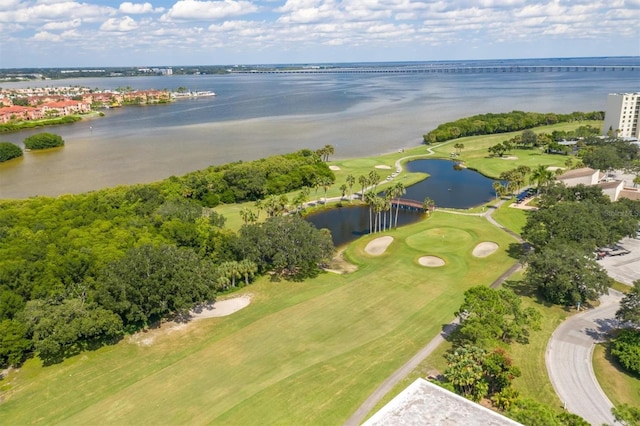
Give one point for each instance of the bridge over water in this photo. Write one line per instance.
(453, 69)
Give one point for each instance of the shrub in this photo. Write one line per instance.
(43, 141)
(626, 349)
(9, 151)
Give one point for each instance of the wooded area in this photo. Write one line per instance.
(79, 270)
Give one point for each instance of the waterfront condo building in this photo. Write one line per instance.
(621, 116)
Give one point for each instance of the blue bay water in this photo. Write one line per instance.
(254, 116)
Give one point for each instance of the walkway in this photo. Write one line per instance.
(569, 360)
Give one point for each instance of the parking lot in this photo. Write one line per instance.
(625, 268)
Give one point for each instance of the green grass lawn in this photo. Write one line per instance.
(620, 386)
(301, 353)
(509, 217)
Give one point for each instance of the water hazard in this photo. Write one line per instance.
(448, 186)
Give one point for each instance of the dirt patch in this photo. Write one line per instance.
(378, 246)
(339, 265)
(484, 249)
(510, 157)
(431, 261)
(334, 168)
(382, 166)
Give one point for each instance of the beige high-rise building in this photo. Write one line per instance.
(621, 116)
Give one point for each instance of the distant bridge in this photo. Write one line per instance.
(444, 69)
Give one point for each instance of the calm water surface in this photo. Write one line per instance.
(446, 185)
(255, 116)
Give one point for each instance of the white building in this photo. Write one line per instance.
(424, 403)
(621, 115)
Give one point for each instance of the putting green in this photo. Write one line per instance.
(440, 240)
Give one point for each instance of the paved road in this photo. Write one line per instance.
(569, 360)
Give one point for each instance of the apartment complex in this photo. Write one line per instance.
(621, 116)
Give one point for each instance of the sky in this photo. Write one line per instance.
(102, 33)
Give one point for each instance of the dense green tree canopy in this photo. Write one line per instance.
(139, 252)
(625, 347)
(289, 246)
(488, 315)
(43, 141)
(9, 151)
(565, 275)
(151, 282)
(630, 306)
(486, 124)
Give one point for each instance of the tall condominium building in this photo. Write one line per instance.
(621, 116)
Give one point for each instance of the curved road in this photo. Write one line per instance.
(569, 360)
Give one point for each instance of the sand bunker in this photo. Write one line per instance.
(382, 166)
(334, 168)
(485, 249)
(217, 309)
(222, 308)
(431, 261)
(378, 246)
(554, 168)
(510, 157)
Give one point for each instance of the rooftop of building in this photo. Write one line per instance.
(609, 185)
(424, 403)
(575, 173)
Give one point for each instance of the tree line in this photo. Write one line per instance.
(79, 271)
(487, 124)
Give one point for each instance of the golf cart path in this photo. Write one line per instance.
(569, 360)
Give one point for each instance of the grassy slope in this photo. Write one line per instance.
(617, 384)
(300, 353)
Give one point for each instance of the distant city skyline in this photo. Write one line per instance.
(102, 33)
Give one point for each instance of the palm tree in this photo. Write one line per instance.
(398, 190)
(498, 188)
(325, 182)
(374, 178)
(350, 182)
(248, 269)
(428, 204)
(248, 215)
(541, 176)
(343, 189)
(328, 150)
(385, 206)
(363, 181)
(259, 206)
(301, 198)
(369, 198)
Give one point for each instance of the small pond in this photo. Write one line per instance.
(351, 222)
(447, 185)
(450, 186)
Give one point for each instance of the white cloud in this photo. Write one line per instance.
(129, 8)
(38, 13)
(62, 25)
(207, 10)
(123, 24)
